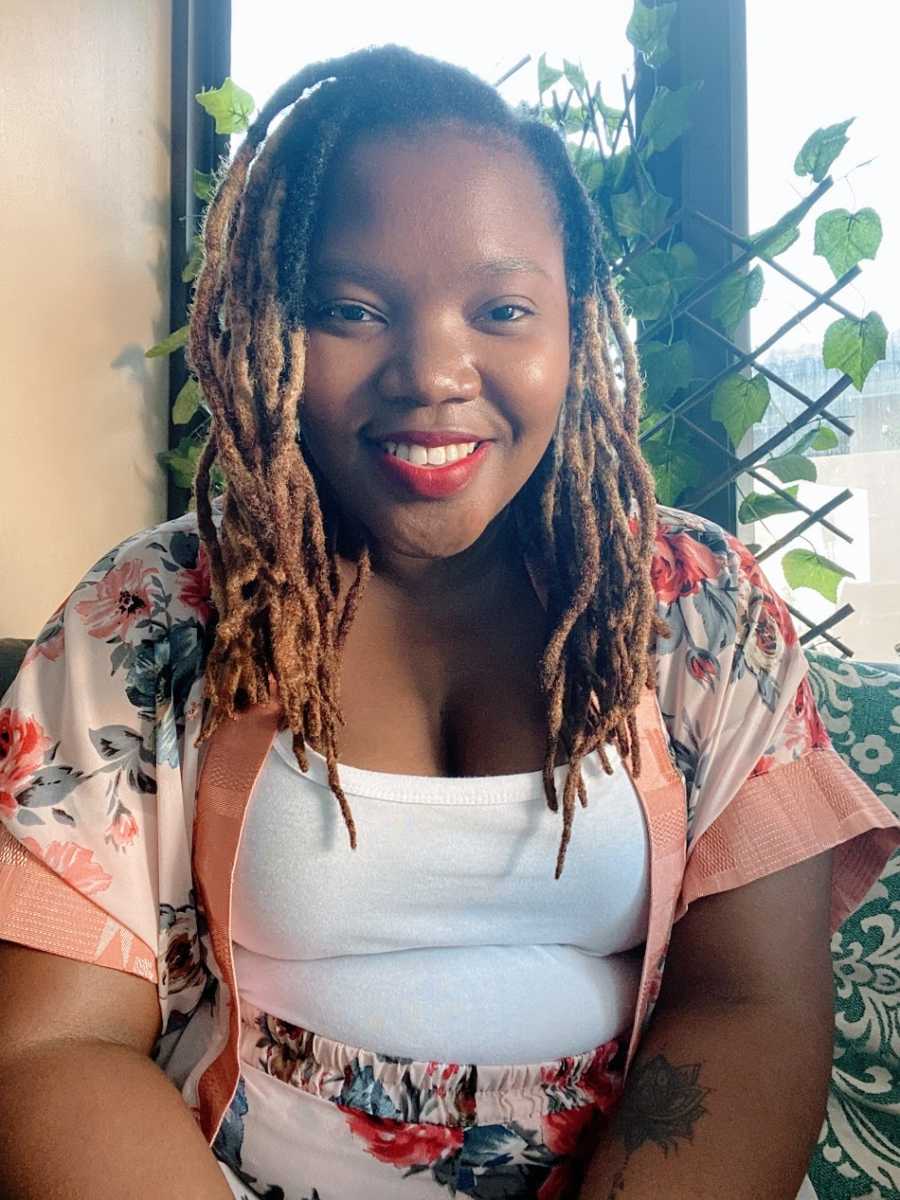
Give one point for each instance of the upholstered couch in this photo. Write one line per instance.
(858, 1155)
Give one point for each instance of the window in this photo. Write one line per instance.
(809, 67)
(271, 41)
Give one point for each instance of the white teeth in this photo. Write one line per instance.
(432, 456)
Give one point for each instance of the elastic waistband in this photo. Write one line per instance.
(456, 1094)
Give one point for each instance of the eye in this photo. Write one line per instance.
(346, 312)
(508, 314)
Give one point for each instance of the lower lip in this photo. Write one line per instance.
(432, 483)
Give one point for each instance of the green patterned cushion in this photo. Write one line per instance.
(858, 1155)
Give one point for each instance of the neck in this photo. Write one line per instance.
(454, 585)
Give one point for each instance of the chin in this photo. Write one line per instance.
(433, 538)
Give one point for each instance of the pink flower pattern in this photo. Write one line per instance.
(74, 863)
(123, 829)
(121, 599)
(23, 748)
(196, 587)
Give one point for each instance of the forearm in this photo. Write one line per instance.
(97, 1121)
(722, 1100)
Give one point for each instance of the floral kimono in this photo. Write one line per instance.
(119, 840)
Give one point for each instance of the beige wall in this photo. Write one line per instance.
(84, 210)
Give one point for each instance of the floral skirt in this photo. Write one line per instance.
(314, 1119)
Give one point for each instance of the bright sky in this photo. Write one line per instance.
(272, 39)
(809, 65)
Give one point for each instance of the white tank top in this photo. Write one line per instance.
(444, 936)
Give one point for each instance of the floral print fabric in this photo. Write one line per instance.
(365, 1123)
(98, 767)
(732, 677)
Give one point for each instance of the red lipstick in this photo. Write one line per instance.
(430, 483)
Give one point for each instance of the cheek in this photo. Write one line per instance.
(536, 387)
(327, 379)
(332, 389)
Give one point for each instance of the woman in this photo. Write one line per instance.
(443, 607)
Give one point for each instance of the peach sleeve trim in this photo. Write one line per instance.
(789, 814)
(40, 910)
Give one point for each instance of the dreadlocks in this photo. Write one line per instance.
(586, 518)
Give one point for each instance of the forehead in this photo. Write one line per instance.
(435, 198)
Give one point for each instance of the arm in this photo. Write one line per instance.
(727, 1094)
(88, 1115)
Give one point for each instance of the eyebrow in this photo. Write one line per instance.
(509, 265)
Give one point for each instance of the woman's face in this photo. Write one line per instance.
(438, 329)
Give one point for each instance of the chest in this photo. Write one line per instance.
(448, 697)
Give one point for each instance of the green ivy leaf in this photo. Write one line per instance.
(589, 168)
(168, 345)
(667, 370)
(675, 463)
(784, 232)
(843, 238)
(648, 287)
(687, 267)
(736, 296)
(667, 117)
(818, 437)
(575, 75)
(203, 184)
(824, 438)
(230, 105)
(574, 120)
(195, 262)
(854, 347)
(648, 32)
(780, 241)
(739, 402)
(181, 462)
(791, 466)
(757, 506)
(612, 117)
(821, 149)
(547, 76)
(617, 170)
(638, 216)
(805, 568)
(186, 402)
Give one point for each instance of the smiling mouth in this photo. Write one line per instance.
(430, 472)
(418, 455)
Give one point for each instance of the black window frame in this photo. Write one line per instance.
(706, 169)
(201, 58)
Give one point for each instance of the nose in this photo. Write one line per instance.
(431, 364)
